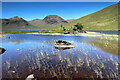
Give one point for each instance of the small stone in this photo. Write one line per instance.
(10, 71)
(13, 72)
(7, 37)
(32, 77)
(17, 49)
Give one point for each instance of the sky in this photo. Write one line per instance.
(39, 10)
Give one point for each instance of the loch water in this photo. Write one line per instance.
(35, 54)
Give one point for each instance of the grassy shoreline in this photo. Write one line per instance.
(88, 34)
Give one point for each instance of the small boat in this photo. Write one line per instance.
(61, 44)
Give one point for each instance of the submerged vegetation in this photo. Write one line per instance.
(74, 63)
(110, 46)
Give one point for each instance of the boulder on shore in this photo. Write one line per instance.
(2, 50)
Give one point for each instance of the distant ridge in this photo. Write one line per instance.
(35, 20)
(18, 23)
(48, 21)
(14, 23)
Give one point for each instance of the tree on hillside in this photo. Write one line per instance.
(74, 29)
(79, 26)
(61, 26)
(64, 29)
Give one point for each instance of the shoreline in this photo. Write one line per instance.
(79, 34)
(88, 34)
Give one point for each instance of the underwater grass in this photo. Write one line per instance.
(62, 64)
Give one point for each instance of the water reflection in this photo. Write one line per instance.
(15, 41)
(110, 46)
(28, 53)
(63, 48)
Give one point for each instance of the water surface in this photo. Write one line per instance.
(106, 32)
(35, 53)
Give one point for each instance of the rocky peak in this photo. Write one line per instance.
(52, 19)
(16, 17)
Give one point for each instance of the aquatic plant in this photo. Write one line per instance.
(67, 63)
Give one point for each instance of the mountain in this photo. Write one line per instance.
(34, 20)
(70, 20)
(14, 23)
(54, 19)
(40, 24)
(105, 19)
(17, 23)
(48, 21)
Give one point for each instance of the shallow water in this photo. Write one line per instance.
(35, 53)
(106, 32)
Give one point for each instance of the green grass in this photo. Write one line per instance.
(16, 32)
(23, 32)
(105, 19)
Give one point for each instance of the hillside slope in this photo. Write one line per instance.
(38, 24)
(14, 23)
(48, 21)
(105, 19)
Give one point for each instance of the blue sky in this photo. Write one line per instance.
(66, 10)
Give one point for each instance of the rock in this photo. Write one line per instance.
(32, 77)
(85, 32)
(17, 49)
(7, 37)
(13, 72)
(62, 42)
(62, 45)
(2, 50)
